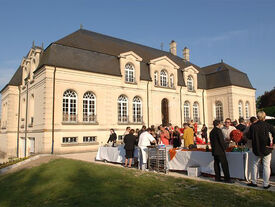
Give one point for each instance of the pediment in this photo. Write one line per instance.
(190, 68)
(132, 54)
(166, 60)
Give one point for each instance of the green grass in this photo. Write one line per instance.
(64, 182)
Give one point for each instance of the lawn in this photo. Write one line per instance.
(64, 182)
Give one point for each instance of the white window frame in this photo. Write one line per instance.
(89, 139)
(186, 111)
(219, 110)
(137, 110)
(196, 112)
(190, 83)
(156, 81)
(69, 140)
(240, 109)
(247, 110)
(129, 73)
(172, 81)
(69, 97)
(122, 109)
(89, 107)
(163, 78)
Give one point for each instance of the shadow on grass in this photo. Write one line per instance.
(65, 182)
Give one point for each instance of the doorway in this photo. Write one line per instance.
(32, 145)
(22, 147)
(164, 112)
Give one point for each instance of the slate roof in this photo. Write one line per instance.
(93, 52)
(16, 79)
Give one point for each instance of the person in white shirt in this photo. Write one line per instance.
(145, 140)
(226, 130)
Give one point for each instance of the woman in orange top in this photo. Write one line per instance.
(164, 136)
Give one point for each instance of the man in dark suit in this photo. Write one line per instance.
(129, 141)
(218, 151)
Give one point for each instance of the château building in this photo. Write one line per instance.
(65, 98)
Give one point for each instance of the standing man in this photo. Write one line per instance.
(226, 130)
(127, 131)
(188, 135)
(145, 140)
(262, 148)
(218, 151)
(129, 141)
(112, 137)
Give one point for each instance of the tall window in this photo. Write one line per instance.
(163, 78)
(186, 111)
(89, 107)
(129, 73)
(172, 81)
(247, 113)
(196, 113)
(69, 106)
(240, 106)
(122, 109)
(156, 78)
(190, 83)
(137, 110)
(219, 110)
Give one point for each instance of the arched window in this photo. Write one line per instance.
(219, 110)
(240, 107)
(186, 111)
(69, 106)
(190, 83)
(172, 81)
(129, 73)
(122, 109)
(247, 112)
(137, 110)
(89, 107)
(163, 78)
(156, 78)
(196, 112)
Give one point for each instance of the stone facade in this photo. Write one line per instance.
(33, 114)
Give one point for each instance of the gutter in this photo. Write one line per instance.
(18, 122)
(203, 107)
(148, 104)
(26, 117)
(54, 73)
(181, 108)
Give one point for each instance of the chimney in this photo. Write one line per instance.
(186, 55)
(173, 47)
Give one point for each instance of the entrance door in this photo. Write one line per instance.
(165, 111)
(32, 145)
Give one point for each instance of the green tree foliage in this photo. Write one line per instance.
(266, 100)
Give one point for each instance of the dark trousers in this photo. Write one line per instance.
(221, 159)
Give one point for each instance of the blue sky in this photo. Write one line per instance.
(241, 32)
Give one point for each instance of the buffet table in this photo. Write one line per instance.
(113, 154)
(237, 161)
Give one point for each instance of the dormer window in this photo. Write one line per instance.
(163, 78)
(190, 83)
(129, 73)
(156, 78)
(172, 81)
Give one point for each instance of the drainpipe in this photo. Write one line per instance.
(26, 117)
(148, 104)
(203, 106)
(18, 122)
(180, 108)
(54, 73)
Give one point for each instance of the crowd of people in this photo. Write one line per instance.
(257, 135)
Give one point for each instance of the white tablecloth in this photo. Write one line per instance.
(113, 154)
(237, 161)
